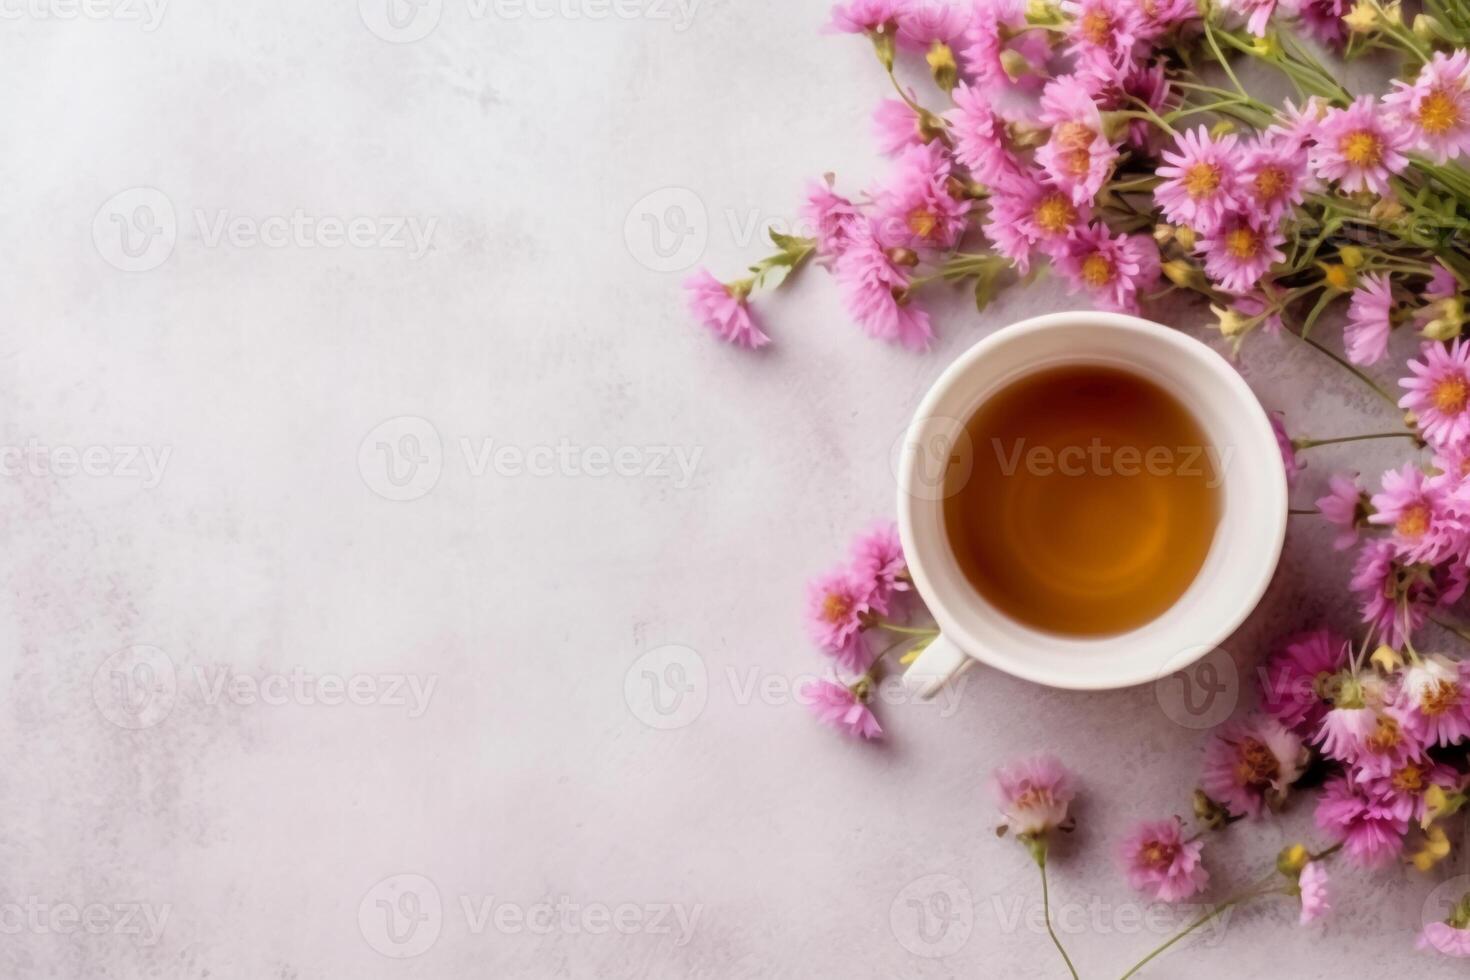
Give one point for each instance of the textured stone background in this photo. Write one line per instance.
(565, 752)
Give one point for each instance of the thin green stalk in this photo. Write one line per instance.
(1046, 911)
(1245, 896)
(1314, 443)
(1350, 368)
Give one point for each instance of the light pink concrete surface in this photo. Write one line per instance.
(180, 796)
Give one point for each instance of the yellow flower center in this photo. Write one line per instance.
(1074, 143)
(1440, 698)
(1097, 270)
(835, 608)
(1257, 765)
(1385, 736)
(1097, 27)
(1055, 214)
(1270, 183)
(1451, 394)
(1149, 7)
(1159, 855)
(1241, 243)
(1414, 521)
(1202, 180)
(1438, 113)
(923, 223)
(1361, 148)
(1409, 779)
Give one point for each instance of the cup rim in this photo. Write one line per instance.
(1102, 679)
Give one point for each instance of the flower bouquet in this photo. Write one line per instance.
(1114, 143)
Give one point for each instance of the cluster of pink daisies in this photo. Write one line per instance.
(1058, 145)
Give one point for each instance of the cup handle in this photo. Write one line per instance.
(935, 667)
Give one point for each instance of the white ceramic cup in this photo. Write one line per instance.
(1241, 560)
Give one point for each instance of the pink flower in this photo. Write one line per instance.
(980, 138)
(878, 561)
(1345, 506)
(1343, 730)
(1428, 523)
(1288, 449)
(1026, 213)
(1112, 269)
(1395, 599)
(1446, 939)
(722, 309)
(1077, 158)
(875, 291)
(896, 127)
(999, 28)
(925, 22)
(1435, 701)
(1239, 252)
(832, 217)
(1370, 316)
(1323, 20)
(1199, 188)
(1158, 861)
(1256, 12)
(1292, 680)
(915, 208)
(835, 606)
(862, 16)
(1439, 393)
(1251, 765)
(1360, 147)
(1157, 17)
(1103, 36)
(1272, 178)
(1436, 107)
(1033, 793)
(1312, 882)
(1151, 84)
(1368, 828)
(1387, 749)
(1299, 127)
(1402, 788)
(834, 704)
(1442, 283)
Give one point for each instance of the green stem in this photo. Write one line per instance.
(1348, 367)
(1303, 513)
(1454, 628)
(883, 624)
(1243, 897)
(1313, 443)
(1046, 911)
